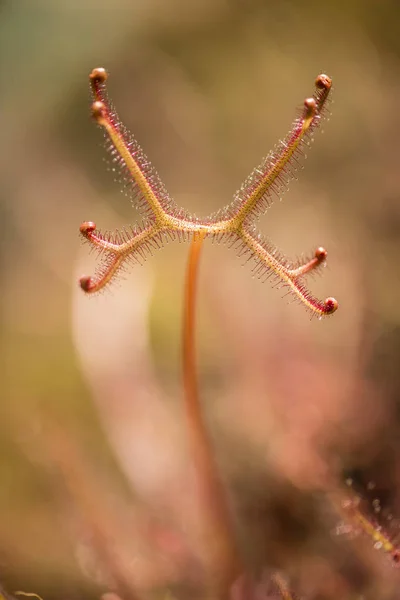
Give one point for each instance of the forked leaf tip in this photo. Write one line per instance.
(87, 227)
(311, 107)
(321, 254)
(331, 305)
(98, 75)
(86, 283)
(99, 112)
(323, 82)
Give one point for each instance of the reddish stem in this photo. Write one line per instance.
(216, 530)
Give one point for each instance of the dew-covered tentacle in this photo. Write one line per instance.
(274, 173)
(117, 249)
(269, 261)
(148, 191)
(310, 265)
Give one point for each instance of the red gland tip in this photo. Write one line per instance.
(323, 82)
(86, 283)
(98, 75)
(87, 227)
(321, 254)
(310, 106)
(331, 305)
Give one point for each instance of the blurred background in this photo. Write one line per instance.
(92, 432)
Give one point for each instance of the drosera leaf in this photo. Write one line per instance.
(163, 220)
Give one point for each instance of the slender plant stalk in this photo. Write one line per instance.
(192, 402)
(217, 532)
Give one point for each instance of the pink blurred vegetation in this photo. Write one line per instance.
(100, 494)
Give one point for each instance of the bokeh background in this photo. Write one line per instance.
(92, 428)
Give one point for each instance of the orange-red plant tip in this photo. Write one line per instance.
(86, 283)
(311, 106)
(331, 305)
(98, 111)
(98, 75)
(87, 227)
(323, 82)
(321, 254)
